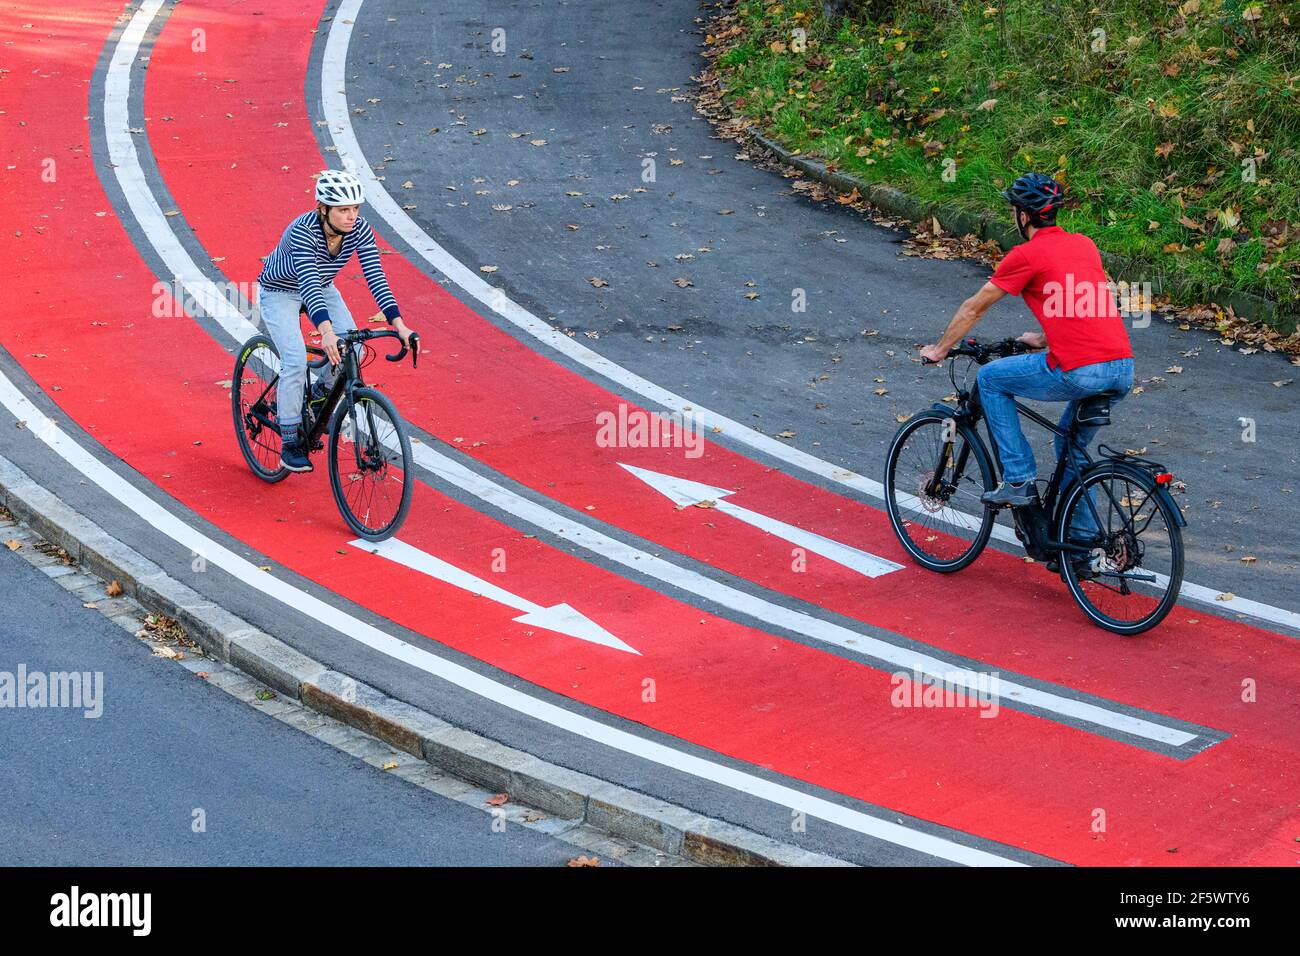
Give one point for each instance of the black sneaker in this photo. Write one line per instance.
(1010, 495)
(320, 390)
(292, 455)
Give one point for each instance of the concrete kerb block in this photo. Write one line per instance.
(109, 558)
(958, 222)
(46, 514)
(717, 843)
(480, 761)
(273, 662)
(646, 820)
(559, 791)
(396, 723)
(211, 626)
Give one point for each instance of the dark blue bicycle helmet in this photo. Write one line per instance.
(1038, 195)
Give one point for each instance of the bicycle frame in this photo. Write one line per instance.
(348, 379)
(971, 412)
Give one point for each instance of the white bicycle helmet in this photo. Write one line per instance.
(338, 187)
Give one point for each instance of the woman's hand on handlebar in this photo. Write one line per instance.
(403, 331)
(329, 342)
(933, 354)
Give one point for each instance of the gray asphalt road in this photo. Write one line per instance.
(122, 788)
(582, 77)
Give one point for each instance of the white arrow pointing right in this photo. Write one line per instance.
(560, 618)
(682, 492)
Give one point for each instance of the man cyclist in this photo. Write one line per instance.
(1060, 276)
(299, 276)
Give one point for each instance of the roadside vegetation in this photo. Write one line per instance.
(1176, 126)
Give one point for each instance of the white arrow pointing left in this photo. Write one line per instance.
(682, 492)
(560, 618)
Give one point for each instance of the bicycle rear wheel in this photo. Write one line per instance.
(1132, 577)
(253, 404)
(935, 472)
(370, 464)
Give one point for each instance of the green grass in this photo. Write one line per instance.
(893, 89)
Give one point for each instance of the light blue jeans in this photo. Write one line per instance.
(1028, 376)
(279, 312)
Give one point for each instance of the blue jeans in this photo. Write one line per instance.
(279, 311)
(1028, 376)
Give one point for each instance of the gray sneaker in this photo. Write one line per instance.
(1010, 495)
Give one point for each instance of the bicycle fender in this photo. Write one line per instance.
(1141, 474)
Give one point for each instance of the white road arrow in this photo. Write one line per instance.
(560, 618)
(682, 493)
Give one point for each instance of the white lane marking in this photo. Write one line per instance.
(118, 86)
(594, 541)
(334, 98)
(684, 493)
(130, 176)
(44, 428)
(561, 618)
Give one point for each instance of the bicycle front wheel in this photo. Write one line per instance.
(370, 464)
(935, 472)
(1131, 578)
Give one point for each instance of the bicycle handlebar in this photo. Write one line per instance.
(987, 352)
(361, 335)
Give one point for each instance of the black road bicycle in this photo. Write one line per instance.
(369, 451)
(1124, 572)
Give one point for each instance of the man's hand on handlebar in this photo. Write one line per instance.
(1034, 339)
(933, 353)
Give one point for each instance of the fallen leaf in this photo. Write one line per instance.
(599, 283)
(1225, 596)
(487, 268)
(1174, 370)
(13, 544)
(498, 800)
(114, 588)
(390, 765)
(584, 861)
(683, 283)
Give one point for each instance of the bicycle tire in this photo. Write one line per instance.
(1080, 589)
(239, 391)
(896, 497)
(356, 523)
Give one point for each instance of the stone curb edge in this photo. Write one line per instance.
(529, 780)
(1247, 305)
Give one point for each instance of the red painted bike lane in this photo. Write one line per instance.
(536, 422)
(848, 738)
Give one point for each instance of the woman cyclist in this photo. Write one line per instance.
(299, 277)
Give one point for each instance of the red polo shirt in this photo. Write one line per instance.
(1060, 276)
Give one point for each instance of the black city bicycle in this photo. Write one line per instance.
(369, 451)
(1113, 532)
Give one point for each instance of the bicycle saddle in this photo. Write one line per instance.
(1093, 411)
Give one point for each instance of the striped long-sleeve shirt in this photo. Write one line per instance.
(301, 263)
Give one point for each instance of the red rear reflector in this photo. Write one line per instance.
(1164, 478)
